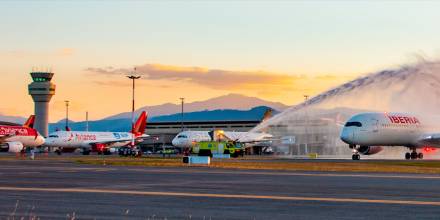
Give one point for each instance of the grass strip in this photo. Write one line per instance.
(422, 167)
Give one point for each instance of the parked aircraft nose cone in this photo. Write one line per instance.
(345, 136)
(40, 140)
(48, 142)
(174, 142)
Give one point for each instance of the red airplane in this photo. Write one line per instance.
(14, 139)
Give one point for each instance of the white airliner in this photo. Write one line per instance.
(186, 139)
(14, 139)
(367, 133)
(100, 142)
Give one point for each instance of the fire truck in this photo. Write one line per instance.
(208, 148)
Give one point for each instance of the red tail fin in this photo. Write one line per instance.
(141, 123)
(30, 122)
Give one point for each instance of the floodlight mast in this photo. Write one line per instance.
(182, 101)
(67, 114)
(133, 79)
(306, 102)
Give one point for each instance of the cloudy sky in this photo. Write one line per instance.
(275, 50)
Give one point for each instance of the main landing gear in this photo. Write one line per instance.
(356, 155)
(413, 155)
(86, 151)
(59, 151)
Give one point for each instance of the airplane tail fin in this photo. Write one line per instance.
(141, 123)
(267, 114)
(30, 122)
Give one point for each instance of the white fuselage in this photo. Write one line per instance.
(186, 139)
(27, 141)
(83, 139)
(385, 129)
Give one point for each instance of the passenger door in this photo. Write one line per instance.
(374, 125)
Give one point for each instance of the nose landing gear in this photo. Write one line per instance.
(413, 155)
(356, 155)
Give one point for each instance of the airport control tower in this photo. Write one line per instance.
(41, 90)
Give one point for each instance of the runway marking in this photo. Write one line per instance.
(30, 172)
(229, 196)
(193, 170)
(292, 173)
(67, 171)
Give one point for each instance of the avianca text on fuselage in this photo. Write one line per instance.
(85, 137)
(17, 130)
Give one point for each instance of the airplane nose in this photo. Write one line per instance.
(345, 136)
(174, 142)
(48, 141)
(41, 140)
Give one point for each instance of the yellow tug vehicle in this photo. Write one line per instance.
(208, 148)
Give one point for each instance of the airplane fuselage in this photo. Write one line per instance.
(83, 139)
(29, 137)
(384, 129)
(187, 139)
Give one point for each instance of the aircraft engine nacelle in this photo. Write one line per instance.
(13, 147)
(369, 150)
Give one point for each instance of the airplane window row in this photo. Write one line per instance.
(398, 125)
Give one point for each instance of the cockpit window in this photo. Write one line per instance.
(182, 136)
(53, 136)
(353, 124)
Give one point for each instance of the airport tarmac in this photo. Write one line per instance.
(49, 189)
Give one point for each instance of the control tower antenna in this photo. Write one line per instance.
(41, 89)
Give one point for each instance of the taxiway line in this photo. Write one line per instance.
(231, 196)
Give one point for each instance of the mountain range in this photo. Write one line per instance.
(230, 101)
(124, 124)
(12, 119)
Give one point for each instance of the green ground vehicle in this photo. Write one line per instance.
(208, 148)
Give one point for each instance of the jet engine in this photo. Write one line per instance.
(369, 150)
(12, 147)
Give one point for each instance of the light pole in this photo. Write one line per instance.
(133, 78)
(306, 98)
(87, 121)
(181, 118)
(67, 114)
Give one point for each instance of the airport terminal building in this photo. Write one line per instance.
(162, 133)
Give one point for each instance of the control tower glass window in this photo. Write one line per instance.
(40, 79)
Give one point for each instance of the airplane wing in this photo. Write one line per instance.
(256, 141)
(4, 137)
(110, 142)
(255, 138)
(432, 140)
